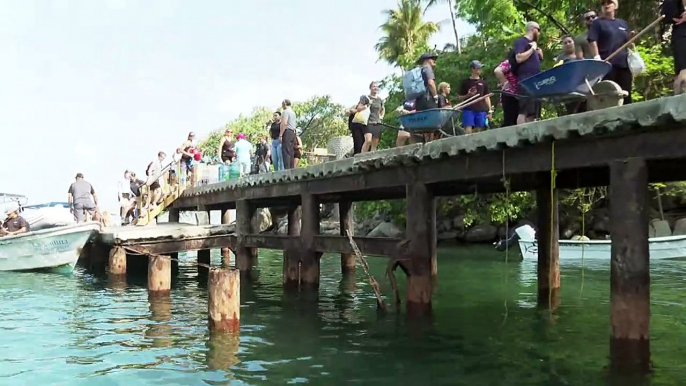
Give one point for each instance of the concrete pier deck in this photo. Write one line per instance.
(168, 237)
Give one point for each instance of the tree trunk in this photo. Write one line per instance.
(458, 47)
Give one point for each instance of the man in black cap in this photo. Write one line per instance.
(79, 198)
(430, 99)
(474, 116)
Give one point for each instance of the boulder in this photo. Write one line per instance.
(601, 221)
(659, 228)
(481, 234)
(679, 227)
(450, 235)
(262, 220)
(203, 218)
(458, 223)
(386, 229)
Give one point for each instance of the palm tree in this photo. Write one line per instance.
(431, 3)
(404, 32)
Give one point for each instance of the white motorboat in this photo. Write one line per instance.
(49, 215)
(55, 249)
(668, 247)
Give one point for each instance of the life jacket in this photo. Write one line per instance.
(413, 84)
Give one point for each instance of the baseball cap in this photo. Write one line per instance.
(476, 64)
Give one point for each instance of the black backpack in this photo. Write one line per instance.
(512, 60)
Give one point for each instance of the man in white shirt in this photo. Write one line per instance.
(155, 180)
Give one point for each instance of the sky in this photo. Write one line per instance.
(99, 87)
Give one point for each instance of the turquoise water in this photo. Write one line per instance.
(486, 329)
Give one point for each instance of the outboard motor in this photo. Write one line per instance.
(524, 232)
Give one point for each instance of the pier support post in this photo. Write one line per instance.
(630, 275)
(309, 258)
(117, 261)
(346, 218)
(174, 215)
(421, 232)
(547, 237)
(204, 257)
(224, 305)
(244, 214)
(159, 275)
(227, 218)
(291, 263)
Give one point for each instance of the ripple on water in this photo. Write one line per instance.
(486, 329)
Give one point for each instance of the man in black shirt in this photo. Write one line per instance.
(675, 13)
(474, 116)
(15, 224)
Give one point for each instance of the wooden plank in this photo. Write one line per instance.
(310, 228)
(377, 246)
(189, 244)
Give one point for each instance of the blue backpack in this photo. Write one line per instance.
(413, 84)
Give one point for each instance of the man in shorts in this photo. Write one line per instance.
(528, 57)
(82, 199)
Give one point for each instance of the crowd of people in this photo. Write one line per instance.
(602, 37)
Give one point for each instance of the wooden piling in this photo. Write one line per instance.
(291, 263)
(421, 232)
(227, 218)
(159, 275)
(309, 258)
(347, 221)
(630, 275)
(174, 215)
(204, 258)
(244, 214)
(117, 261)
(224, 300)
(547, 236)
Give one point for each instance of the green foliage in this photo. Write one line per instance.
(393, 209)
(253, 126)
(320, 118)
(406, 35)
(656, 80)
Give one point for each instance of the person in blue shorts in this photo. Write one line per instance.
(474, 116)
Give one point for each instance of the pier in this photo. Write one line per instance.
(624, 148)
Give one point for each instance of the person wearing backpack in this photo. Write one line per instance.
(419, 84)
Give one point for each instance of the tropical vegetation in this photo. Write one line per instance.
(406, 35)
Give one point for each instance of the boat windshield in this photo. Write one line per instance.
(47, 205)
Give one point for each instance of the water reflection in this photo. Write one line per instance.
(161, 312)
(486, 329)
(222, 350)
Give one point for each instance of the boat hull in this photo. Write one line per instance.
(56, 249)
(660, 248)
